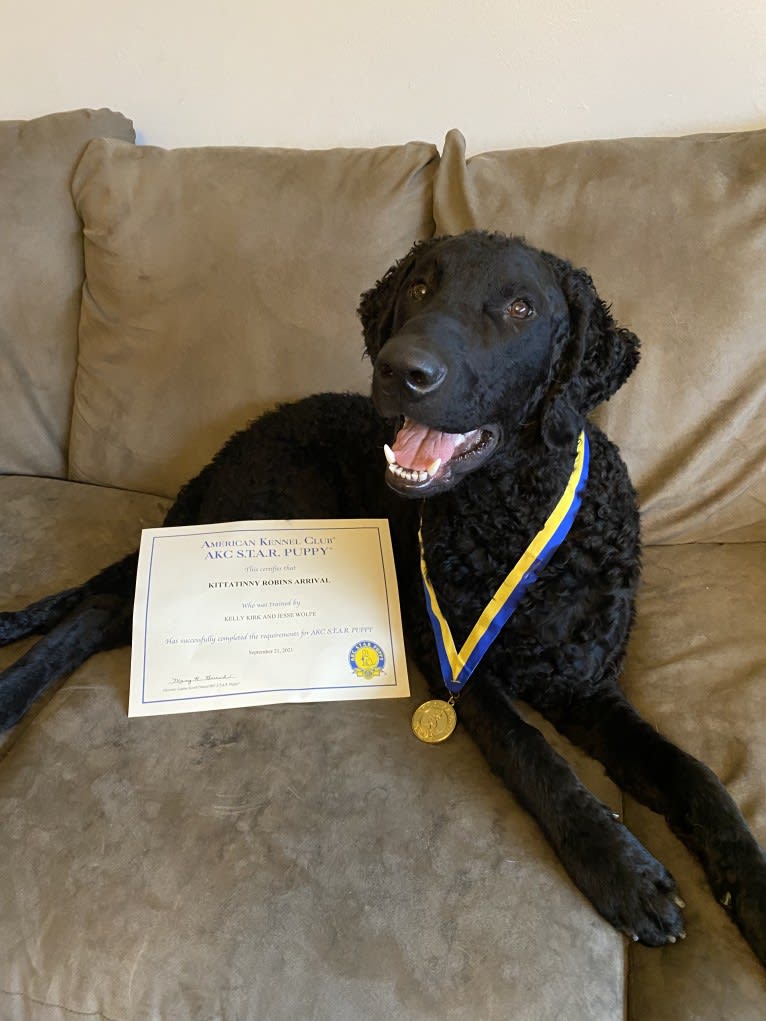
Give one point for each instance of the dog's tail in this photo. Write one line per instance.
(75, 624)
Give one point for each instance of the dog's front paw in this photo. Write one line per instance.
(630, 888)
(646, 906)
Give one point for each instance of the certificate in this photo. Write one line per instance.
(258, 612)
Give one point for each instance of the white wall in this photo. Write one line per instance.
(358, 72)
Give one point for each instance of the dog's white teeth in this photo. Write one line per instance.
(408, 474)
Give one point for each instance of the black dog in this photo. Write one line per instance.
(487, 355)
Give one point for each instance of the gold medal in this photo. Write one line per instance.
(434, 721)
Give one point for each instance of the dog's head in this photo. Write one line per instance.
(478, 336)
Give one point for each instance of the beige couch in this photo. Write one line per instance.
(317, 862)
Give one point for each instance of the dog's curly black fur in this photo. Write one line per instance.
(481, 336)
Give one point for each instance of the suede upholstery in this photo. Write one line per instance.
(674, 235)
(225, 270)
(290, 862)
(41, 275)
(696, 671)
(317, 861)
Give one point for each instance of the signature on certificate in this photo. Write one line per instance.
(197, 679)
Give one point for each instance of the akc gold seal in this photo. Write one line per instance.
(367, 660)
(434, 721)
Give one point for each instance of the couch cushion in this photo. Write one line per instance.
(41, 273)
(697, 672)
(674, 233)
(220, 281)
(284, 862)
(90, 518)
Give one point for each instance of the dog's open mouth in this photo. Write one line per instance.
(424, 460)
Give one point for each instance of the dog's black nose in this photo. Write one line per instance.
(416, 369)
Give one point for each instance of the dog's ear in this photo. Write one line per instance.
(596, 358)
(377, 306)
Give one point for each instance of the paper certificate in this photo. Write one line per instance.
(258, 612)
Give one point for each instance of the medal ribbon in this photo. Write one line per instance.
(456, 666)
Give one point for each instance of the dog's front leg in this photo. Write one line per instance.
(629, 887)
(695, 803)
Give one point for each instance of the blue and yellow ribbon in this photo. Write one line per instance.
(457, 666)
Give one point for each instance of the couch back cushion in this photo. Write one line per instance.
(223, 280)
(673, 231)
(41, 274)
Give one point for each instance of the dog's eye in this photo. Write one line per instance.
(418, 290)
(520, 309)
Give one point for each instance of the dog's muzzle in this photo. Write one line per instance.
(409, 385)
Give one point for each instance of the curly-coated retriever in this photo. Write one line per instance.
(488, 356)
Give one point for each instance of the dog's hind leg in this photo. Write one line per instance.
(39, 617)
(629, 887)
(99, 622)
(75, 623)
(694, 802)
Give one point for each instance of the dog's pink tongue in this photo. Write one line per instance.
(417, 447)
